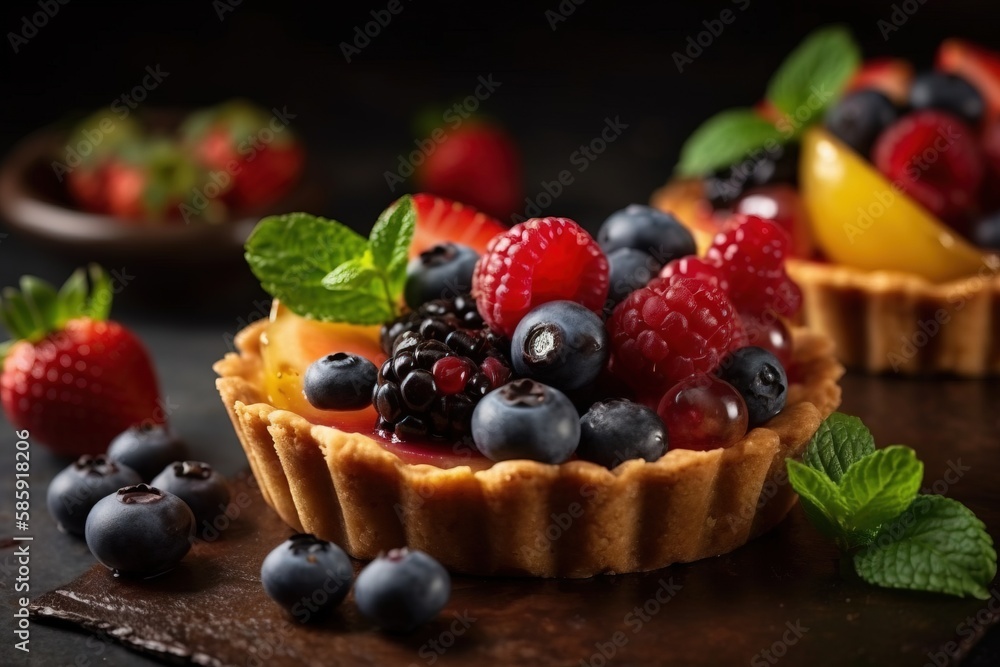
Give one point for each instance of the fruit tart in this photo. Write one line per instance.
(523, 401)
(888, 182)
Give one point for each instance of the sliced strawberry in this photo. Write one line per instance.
(978, 65)
(87, 185)
(440, 219)
(936, 159)
(891, 76)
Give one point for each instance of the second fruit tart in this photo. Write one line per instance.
(487, 405)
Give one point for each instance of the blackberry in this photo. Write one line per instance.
(778, 165)
(434, 320)
(429, 387)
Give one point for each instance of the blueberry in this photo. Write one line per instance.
(986, 233)
(203, 489)
(618, 430)
(147, 449)
(947, 92)
(140, 530)
(560, 343)
(761, 380)
(859, 117)
(402, 590)
(340, 381)
(629, 269)
(306, 576)
(525, 419)
(647, 229)
(74, 491)
(443, 271)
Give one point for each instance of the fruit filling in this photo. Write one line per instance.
(532, 344)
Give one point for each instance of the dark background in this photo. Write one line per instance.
(607, 59)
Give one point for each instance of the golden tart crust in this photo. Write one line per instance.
(577, 519)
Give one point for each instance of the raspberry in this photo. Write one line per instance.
(935, 158)
(537, 261)
(752, 254)
(697, 268)
(668, 330)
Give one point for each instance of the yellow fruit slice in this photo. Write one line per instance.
(861, 219)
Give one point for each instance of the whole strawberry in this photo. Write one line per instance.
(478, 164)
(150, 180)
(71, 377)
(253, 155)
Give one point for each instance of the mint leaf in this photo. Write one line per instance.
(840, 441)
(936, 545)
(726, 139)
(879, 487)
(814, 73)
(351, 275)
(390, 242)
(820, 499)
(291, 254)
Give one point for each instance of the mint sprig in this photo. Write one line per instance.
(866, 500)
(323, 270)
(808, 81)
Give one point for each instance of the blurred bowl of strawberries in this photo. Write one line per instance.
(159, 185)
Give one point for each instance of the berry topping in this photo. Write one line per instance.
(782, 205)
(859, 117)
(340, 381)
(760, 378)
(147, 449)
(668, 330)
(773, 164)
(619, 430)
(703, 412)
(197, 484)
(986, 232)
(139, 530)
(537, 261)
(77, 488)
(443, 270)
(753, 253)
(402, 590)
(307, 576)
(435, 320)
(628, 270)
(429, 388)
(440, 220)
(526, 420)
(935, 158)
(698, 269)
(561, 344)
(644, 228)
(947, 92)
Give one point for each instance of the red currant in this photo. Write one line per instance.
(703, 412)
(450, 375)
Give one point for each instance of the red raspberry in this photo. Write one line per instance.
(537, 261)
(668, 330)
(936, 159)
(752, 254)
(698, 268)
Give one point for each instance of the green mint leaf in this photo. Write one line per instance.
(879, 487)
(936, 545)
(840, 441)
(363, 305)
(390, 243)
(812, 75)
(820, 498)
(291, 254)
(726, 139)
(353, 274)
